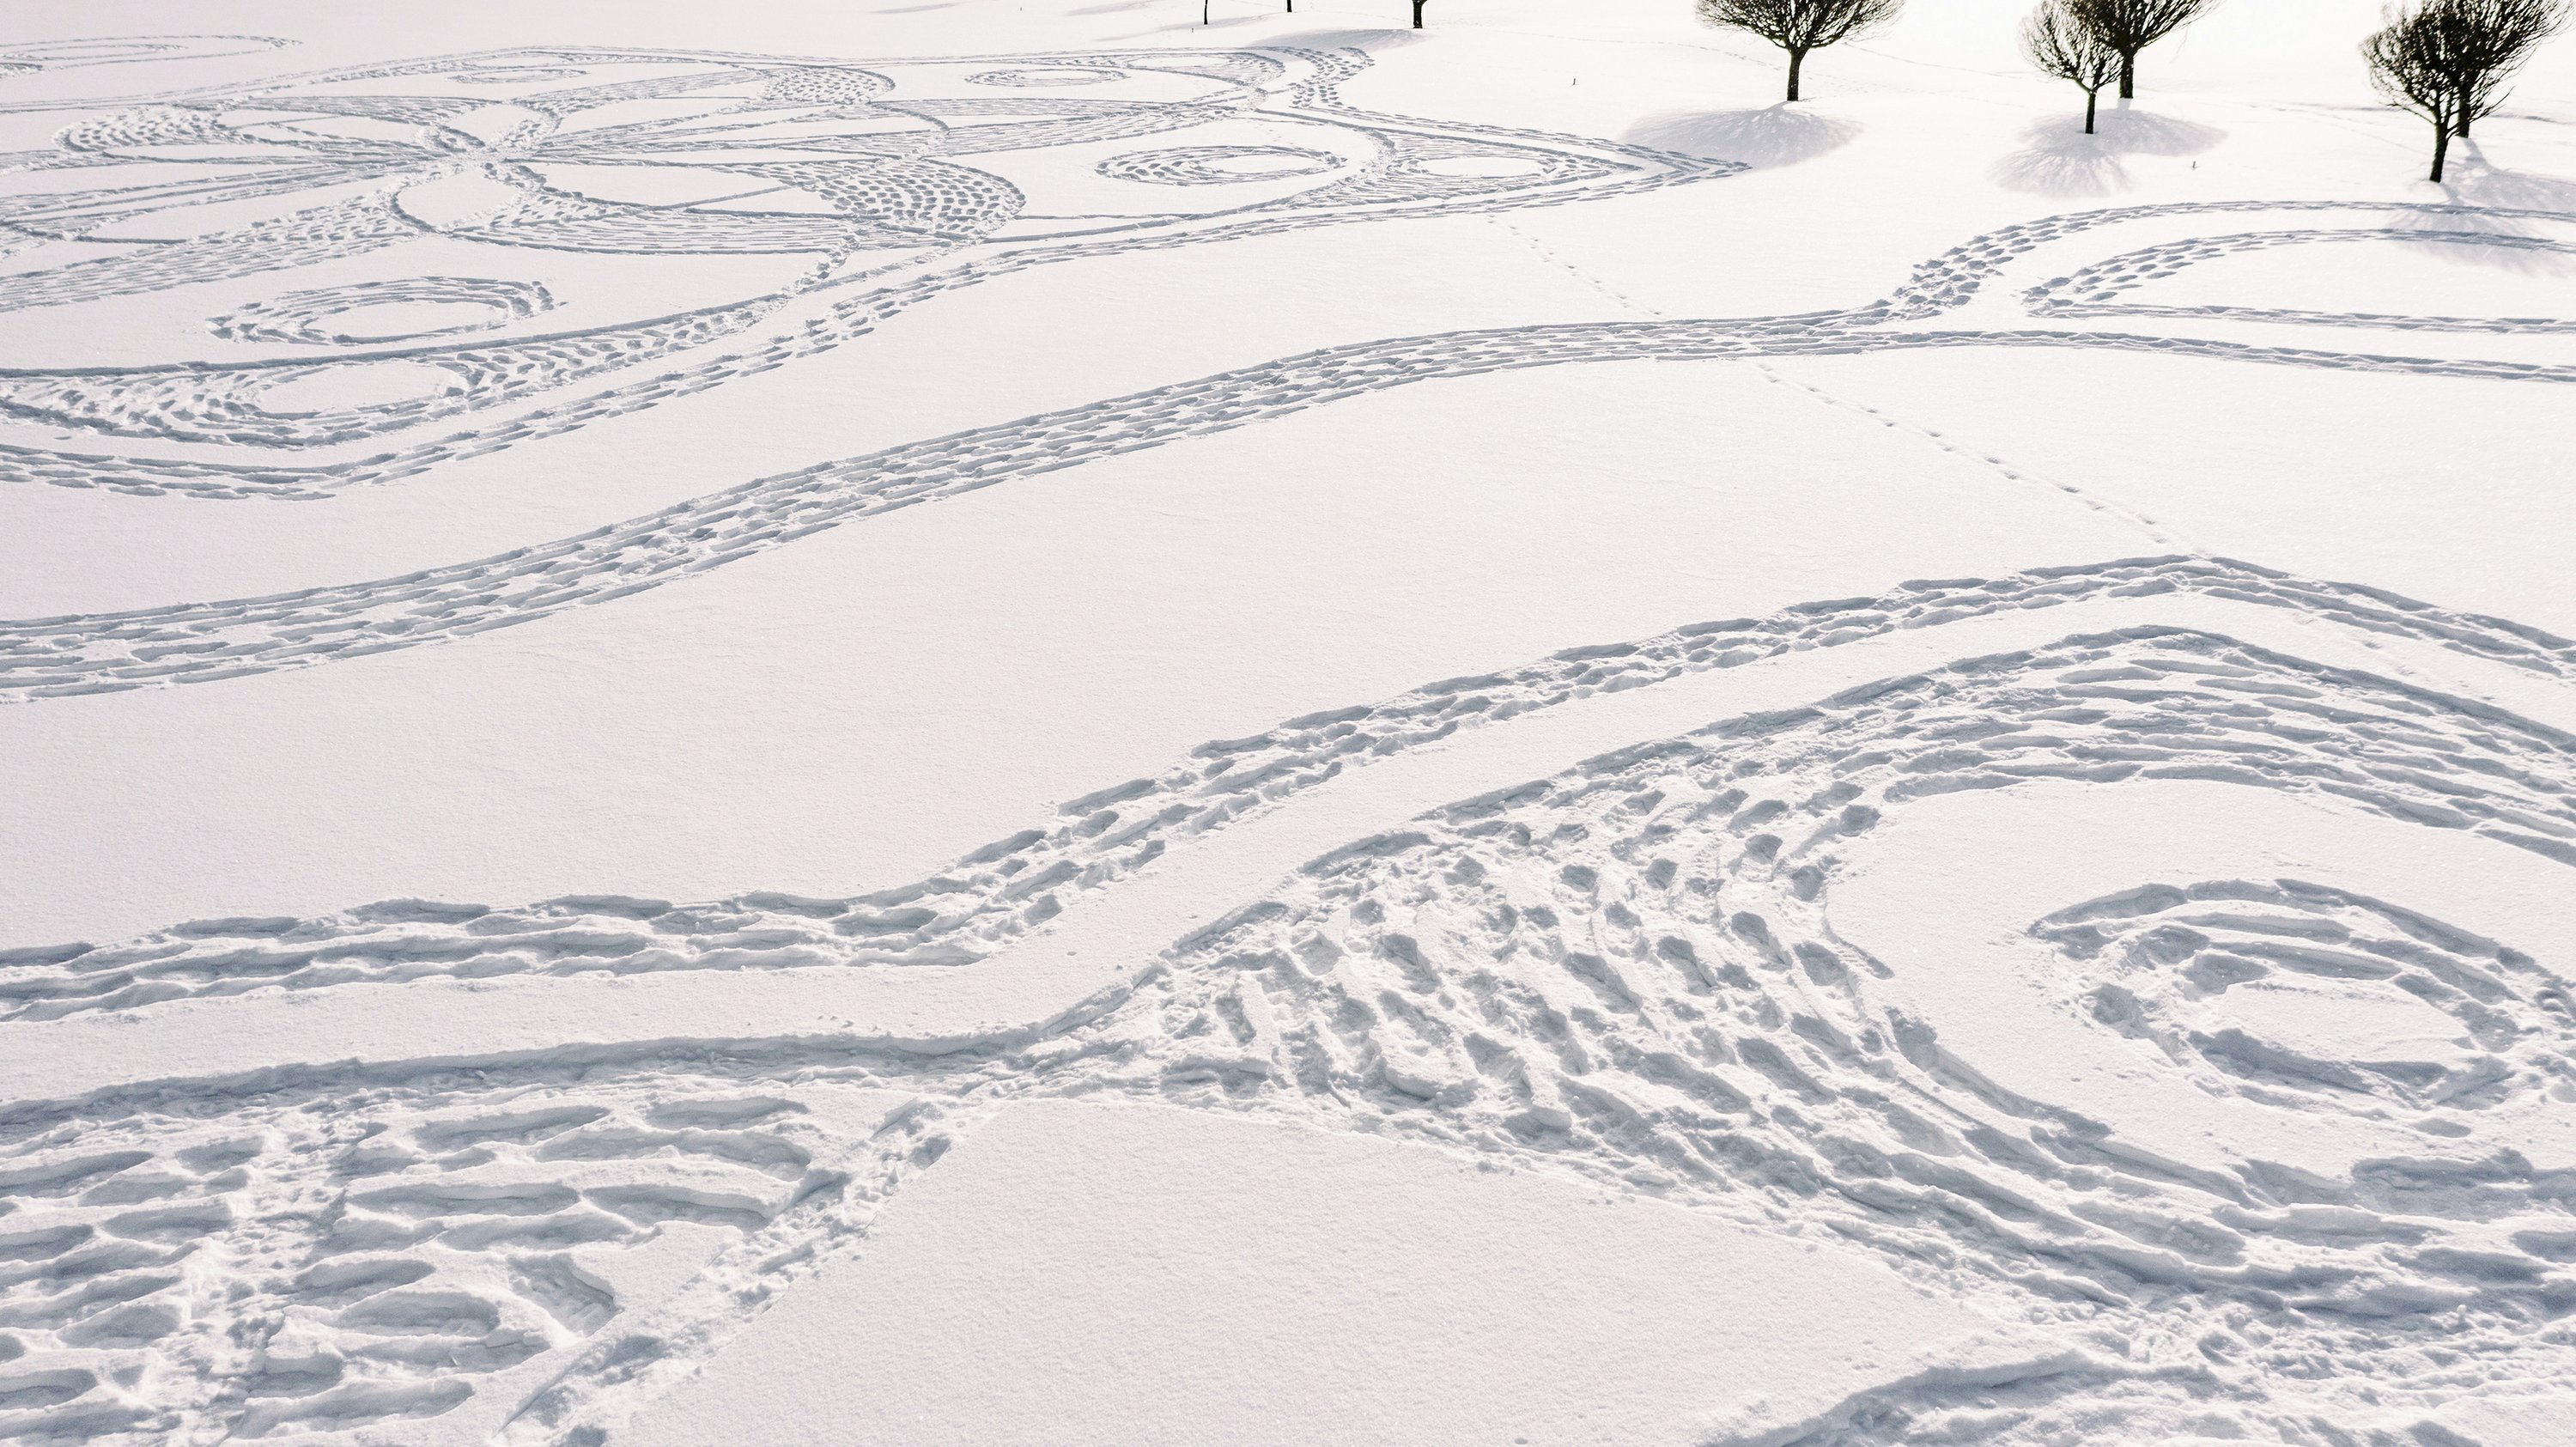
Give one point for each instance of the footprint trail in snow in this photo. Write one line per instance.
(1629, 972)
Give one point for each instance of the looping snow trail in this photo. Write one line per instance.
(999, 893)
(895, 155)
(1630, 972)
(2159, 960)
(207, 642)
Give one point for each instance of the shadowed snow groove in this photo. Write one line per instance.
(997, 894)
(889, 162)
(207, 642)
(30, 57)
(1627, 973)
(2097, 290)
(2161, 960)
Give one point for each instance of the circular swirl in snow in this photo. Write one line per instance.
(370, 312)
(1052, 75)
(354, 386)
(515, 74)
(2104, 288)
(2295, 993)
(1218, 165)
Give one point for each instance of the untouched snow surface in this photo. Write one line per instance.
(1002, 722)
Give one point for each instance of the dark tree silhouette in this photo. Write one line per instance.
(2497, 36)
(1798, 26)
(2448, 60)
(2414, 63)
(1417, 14)
(2129, 26)
(2058, 41)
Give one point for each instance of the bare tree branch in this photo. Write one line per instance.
(2060, 43)
(2415, 62)
(2129, 26)
(2448, 60)
(1799, 26)
(2496, 36)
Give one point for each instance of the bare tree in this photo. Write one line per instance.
(2497, 36)
(1798, 26)
(1417, 14)
(2058, 41)
(2129, 26)
(2448, 60)
(2415, 62)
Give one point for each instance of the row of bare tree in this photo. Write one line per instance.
(2095, 42)
(2448, 60)
(2445, 60)
(2091, 42)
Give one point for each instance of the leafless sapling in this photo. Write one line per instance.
(2129, 26)
(1799, 26)
(2058, 41)
(2496, 37)
(2448, 60)
(2415, 61)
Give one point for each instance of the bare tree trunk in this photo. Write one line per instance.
(2090, 97)
(1796, 59)
(2128, 75)
(1417, 14)
(2441, 144)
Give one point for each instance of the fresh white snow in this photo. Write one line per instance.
(1025, 722)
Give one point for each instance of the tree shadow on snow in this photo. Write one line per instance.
(1779, 135)
(1350, 39)
(2470, 181)
(2058, 159)
(1194, 25)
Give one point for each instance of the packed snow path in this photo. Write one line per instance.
(904, 224)
(1630, 971)
(2160, 956)
(45, 657)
